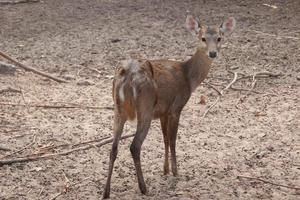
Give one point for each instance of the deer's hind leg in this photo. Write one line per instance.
(135, 149)
(119, 122)
(145, 108)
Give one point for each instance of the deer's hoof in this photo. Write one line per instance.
(166, 172)
(143, 190)
(106, 195)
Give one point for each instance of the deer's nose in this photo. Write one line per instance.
(212, 54)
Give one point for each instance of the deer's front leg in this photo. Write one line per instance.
(172, 132)
(164, 127)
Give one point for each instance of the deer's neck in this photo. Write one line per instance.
(197, 68)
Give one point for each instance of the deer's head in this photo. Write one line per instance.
(210, 37)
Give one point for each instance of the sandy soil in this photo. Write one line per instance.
(257, 138)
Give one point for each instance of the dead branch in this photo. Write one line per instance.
(90, 68)
(30, 158)
(9, 89)
(56, 106)
(4, 148)
(269, 182)
(20, 150)
(41, 191)
(276, 36)
(213, 87)
(244, 90)
(242, 98)
(221, 94)
(17, 1)
(6, 68)
(32, 69)
(259, 75)
(68, 187)
(80, 143)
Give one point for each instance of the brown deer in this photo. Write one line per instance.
(153, 89)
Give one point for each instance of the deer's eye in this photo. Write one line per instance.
(219, 39)
(203, 40)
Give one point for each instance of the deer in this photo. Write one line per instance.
(159, 89)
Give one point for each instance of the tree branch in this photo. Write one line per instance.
(56, 106)
(269, 182)
(48, 156)
(32, 69)
(221, 94)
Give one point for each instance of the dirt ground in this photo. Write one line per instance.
(258, 137)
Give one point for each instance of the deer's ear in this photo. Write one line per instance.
(228, 26)
(192, 24)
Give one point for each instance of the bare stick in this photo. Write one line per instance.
(56, 106)
(221, 94)
(9, 89)
(213, 87)
(32, 69)
(90, 68)
(4, 148)
(265, 181)
(80, 143)
(68, 187)
(245, 90)
(19, 1)
(276, 36)
(6, 68)
(41, 191)
(47, 156)
(260, 75)
(252, 87)
(20, 150)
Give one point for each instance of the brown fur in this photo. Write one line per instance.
(157, 89)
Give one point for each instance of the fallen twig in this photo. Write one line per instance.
(221, 94)
(41, 191)
(245, 90)
(235, 79)
(56, 106)
(4, 148)
(259, 75)
(47, 156)
(245, 96)
(18, 1)
(90, 68)
(276, 36)
(213, 87)
(68, 187)
(269, 182)
(32, 69)
(20, 150)
(9, 89)
(6, 68)
(80, 143)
